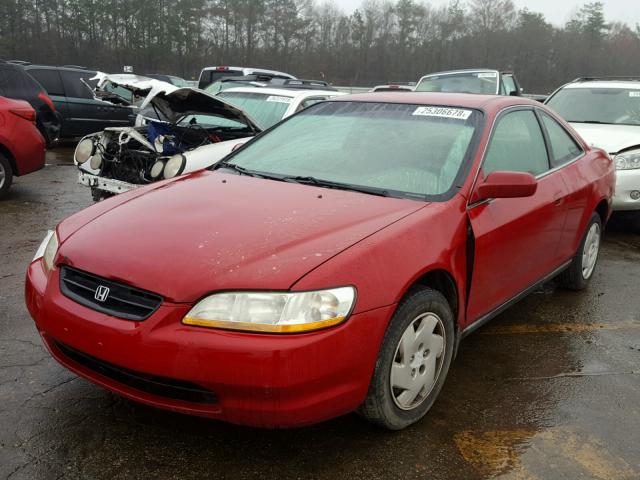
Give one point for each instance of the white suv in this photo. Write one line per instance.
(606, 113)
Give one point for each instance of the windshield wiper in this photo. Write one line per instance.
(239, 169)
(593, 122)
(308, 180)
(245, 171)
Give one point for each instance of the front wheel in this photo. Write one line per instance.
(579, 273)
(413, 361)
(99, 195)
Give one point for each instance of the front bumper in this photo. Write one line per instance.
(627, 181)
(256, 379)
(105, 184)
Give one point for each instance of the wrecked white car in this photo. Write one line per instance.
(188, 130)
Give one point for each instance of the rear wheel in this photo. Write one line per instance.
(6, 176)
(579, 273)
(413, 361)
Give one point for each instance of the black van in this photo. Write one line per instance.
(81, 112)
(17, 84)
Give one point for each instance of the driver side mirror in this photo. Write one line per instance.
(506, 185)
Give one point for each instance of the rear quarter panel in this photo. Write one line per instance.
(591, 180)
(23, 141)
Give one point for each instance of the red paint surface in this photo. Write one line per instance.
(212, 231)
(20, 137)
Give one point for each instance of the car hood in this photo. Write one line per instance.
(611, 138)
(212, 231)
(171, 101)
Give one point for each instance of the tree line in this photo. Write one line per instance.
(382, 41)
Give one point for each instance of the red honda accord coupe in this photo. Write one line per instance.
(331, 264)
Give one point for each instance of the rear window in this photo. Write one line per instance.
(207, 77)
(485, 83)
(49, 79)
(15, 83)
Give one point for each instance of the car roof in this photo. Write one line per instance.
(466, 70)
(604, 83)
(52, 67)
(247, 69)
(284, 92)
(487, 103)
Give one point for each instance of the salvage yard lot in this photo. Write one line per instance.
(550, 389)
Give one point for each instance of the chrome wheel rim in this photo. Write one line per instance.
(417, 362)
(590, 251)
(3, 175)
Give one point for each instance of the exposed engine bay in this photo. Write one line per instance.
(146, 154)
(169, 142)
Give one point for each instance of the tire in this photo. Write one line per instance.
(580, 272)
(99, 195)
(424, 371)
(6, 176)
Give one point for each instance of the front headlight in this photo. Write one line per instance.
(85, 150)
(628, 160)
(175, 166)
(286, 312)
(47, 250)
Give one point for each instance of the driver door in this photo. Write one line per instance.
(516, 239)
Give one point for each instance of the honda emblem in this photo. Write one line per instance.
(102, 293)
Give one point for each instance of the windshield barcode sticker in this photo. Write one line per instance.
(275, 98)
(634, 94)
(487, 75)
(443, 112)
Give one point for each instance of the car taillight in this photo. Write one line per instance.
(45, 98)
(28, 114)
(222, 69)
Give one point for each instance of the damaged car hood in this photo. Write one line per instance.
(610, 138)
(212, 231)
(172, 102)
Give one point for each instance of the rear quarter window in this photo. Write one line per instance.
(563, 147)
(15, 83)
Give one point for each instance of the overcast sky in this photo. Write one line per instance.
(557, 12)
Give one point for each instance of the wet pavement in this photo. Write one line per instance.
(549, 390)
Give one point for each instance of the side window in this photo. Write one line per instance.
(563, 147)
(509, 85)
(73, 85)
(517, 145)
(49, 79)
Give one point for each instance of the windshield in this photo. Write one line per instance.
(178, 82)
(402, 150)
(464, 82)
(265, 109)
(616, 106)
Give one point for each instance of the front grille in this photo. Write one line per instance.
(153, 384)
(107, 296)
